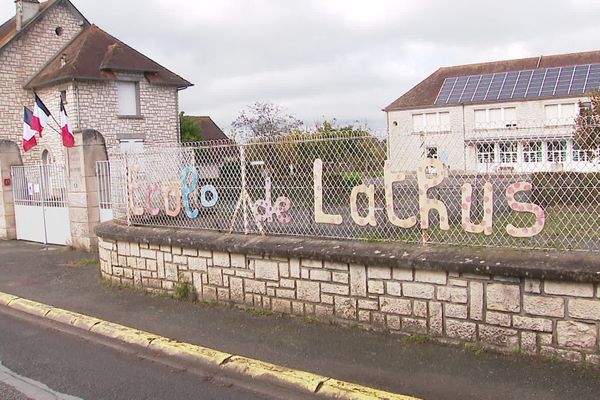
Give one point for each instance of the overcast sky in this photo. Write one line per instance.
(344, 59)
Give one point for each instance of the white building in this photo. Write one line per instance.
(515, 115)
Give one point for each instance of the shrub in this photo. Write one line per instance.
(566, 188)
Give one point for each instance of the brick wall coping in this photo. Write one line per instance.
(547, 265)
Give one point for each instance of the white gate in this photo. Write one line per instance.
(41, 207)
(104, 194)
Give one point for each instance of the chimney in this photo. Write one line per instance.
(26, 9)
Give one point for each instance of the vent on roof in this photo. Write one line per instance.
(516, 85)
(63, 60)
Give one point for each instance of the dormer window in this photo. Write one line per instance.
(63, 60)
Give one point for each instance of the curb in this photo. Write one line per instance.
(306, 382)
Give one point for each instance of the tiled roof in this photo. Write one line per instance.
(210, 130)
(96, 55)
(425, 93)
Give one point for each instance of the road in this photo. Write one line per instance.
(62, 364)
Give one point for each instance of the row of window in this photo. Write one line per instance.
(531, 152)
(494, 118)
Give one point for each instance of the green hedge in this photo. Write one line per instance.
(566, 188)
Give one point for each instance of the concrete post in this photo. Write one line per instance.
(9, 157)
(84, 206)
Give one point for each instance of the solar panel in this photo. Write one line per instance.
(541, 82)
(593, 80)
(469, 91)
(459, 86)
(509, 86)
(482, 88)
(564, 81)
(446, 90)
(522, 84)
(535, 84)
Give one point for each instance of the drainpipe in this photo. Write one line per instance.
(387, 133)
(464, 133)
(76, 87)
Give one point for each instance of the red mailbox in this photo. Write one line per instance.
(7, 182)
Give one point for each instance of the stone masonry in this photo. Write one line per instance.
(19, 61)
(90, 104)
(543, 317)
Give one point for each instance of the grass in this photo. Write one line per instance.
(84, 262)
(418, 338)
(184, 290)
(476, 348)
(257, 312)
(565, 228)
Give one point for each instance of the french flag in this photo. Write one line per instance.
(65, 129)
(41, 114)
(29, 140)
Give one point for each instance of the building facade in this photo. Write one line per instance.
(507, 116)
(52, 49)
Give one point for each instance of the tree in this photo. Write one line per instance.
(587, 124)
(189, 129)
(263, 120)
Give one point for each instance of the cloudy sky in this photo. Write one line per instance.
(344, 59)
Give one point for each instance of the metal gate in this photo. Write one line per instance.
(41, 207)
(104, 193)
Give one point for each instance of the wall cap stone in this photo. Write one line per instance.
(547, 265)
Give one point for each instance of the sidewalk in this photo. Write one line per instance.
(429, 371)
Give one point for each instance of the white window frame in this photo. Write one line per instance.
(131, 146)
(533, 152)
(561, 119)
(488, 124)
(120, 106)
(556, 154)
(486, 157)
(438, 127)
(508, 155)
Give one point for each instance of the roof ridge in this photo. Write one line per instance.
(510, 60)
(141, 54)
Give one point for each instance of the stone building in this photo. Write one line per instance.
(512, 115)
(51, 48)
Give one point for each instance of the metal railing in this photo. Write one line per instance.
(526, 189)
(103, 182)
(42, 185)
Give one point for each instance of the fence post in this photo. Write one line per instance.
(84, 204)
(9, 156)
(244, 187)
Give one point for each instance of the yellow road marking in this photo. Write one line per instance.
(256, 369)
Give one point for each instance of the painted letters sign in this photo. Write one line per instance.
(186, 196)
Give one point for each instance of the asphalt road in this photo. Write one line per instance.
(75, 367)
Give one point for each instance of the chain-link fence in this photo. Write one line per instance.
(528, 187)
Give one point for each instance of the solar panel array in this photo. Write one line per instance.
(517, 85)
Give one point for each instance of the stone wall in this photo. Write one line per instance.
(9, 157)
(400, 289)
(158, 124)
